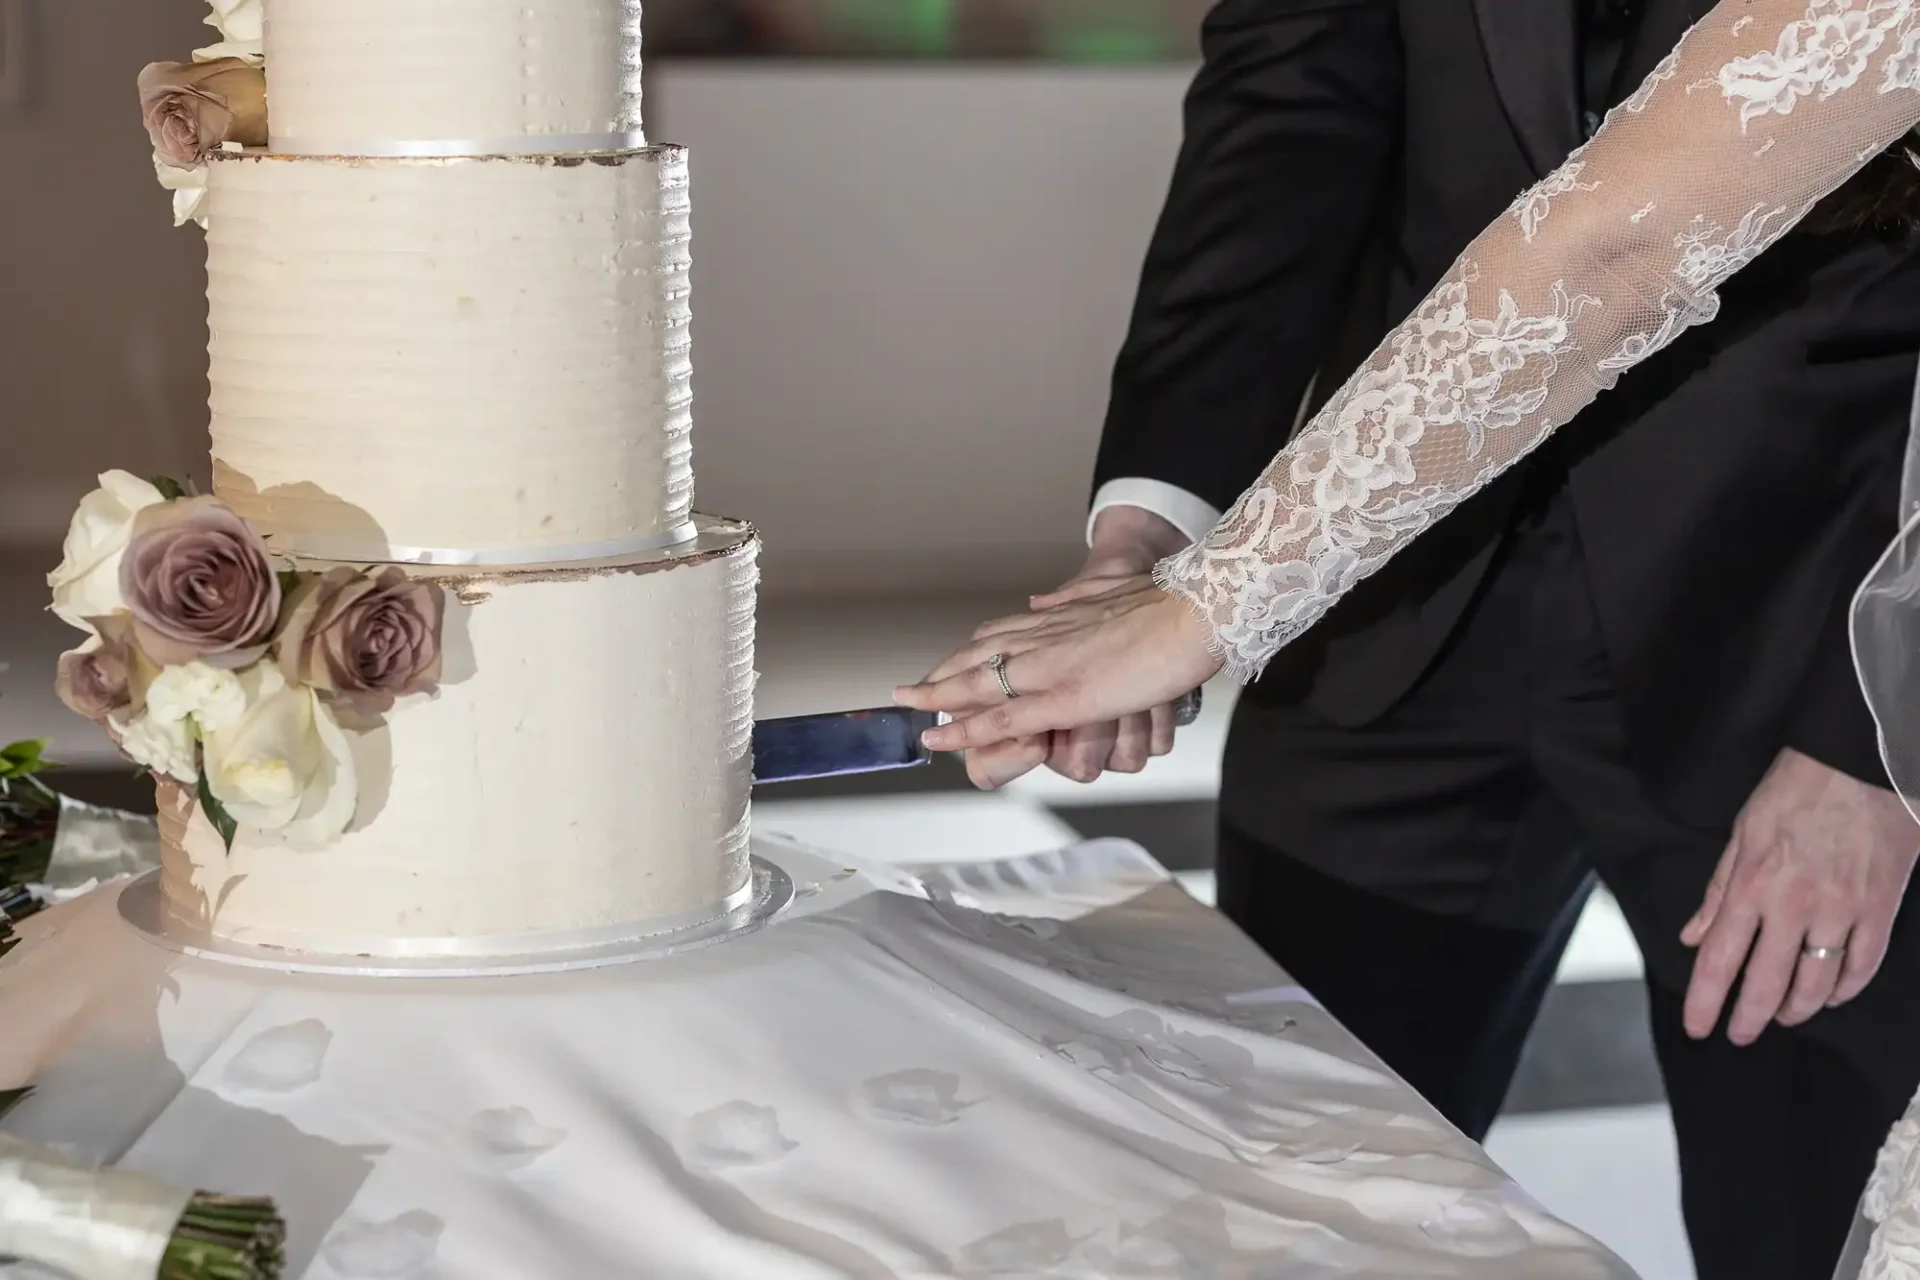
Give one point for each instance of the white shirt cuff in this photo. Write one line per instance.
(1192, 516)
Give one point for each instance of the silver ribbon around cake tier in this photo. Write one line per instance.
(526, 144)
(352, 550)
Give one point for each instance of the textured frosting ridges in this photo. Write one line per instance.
(412, 70)
(490, 353)
(586, 766)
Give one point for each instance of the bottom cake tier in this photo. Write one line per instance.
(581, 774)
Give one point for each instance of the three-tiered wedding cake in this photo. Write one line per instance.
(448, 305)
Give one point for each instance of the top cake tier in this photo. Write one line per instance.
(385, 77)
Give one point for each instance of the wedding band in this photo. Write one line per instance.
(998, 665)
(1186, 710)
(1823, 953)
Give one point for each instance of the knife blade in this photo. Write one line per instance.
(843, 743)
(796, 748)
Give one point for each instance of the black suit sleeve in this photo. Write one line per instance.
(1290, 129)
(1829, 720)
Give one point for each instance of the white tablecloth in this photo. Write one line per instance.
(1105, 1081)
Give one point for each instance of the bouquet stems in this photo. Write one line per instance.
(226, 1238)
(115, 1224)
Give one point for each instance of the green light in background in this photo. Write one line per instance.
(929, 24)
(1102, 46)
(1104, 31)
(922, 28)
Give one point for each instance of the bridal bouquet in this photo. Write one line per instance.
(105, 1224)
(213, 666)
(102, 1224)
(108, 1224)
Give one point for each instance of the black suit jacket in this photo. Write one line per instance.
(1731, 492)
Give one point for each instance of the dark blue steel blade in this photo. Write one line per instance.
(796, 748)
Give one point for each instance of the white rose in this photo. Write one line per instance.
(284, 764)
(242, 28)
(87, 583)
(164, 746)
(212, 697)
(189, 187)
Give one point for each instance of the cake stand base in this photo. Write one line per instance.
(770, 892)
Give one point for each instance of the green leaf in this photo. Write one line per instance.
(11, 1098)
(289, 579)
(18, 759)
(217, 813)
(170, 489)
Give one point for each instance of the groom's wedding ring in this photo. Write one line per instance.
(1823, 953)
(1186, 709)
(998, 665)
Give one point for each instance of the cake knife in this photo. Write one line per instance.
(844, 743)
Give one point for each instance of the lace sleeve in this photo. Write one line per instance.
(1765, 108)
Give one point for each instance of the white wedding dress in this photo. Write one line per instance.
(1765, 108)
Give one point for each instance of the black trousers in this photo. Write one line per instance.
(1422, 876)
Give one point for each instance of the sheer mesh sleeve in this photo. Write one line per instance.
(1765, 108)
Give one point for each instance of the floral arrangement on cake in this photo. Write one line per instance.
(219, 99)
(214, 666)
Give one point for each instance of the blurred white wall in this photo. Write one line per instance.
(102, 302)
(909, 284)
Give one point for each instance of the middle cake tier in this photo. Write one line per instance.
(476, 360)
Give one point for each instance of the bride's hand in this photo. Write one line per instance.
(1098, 658)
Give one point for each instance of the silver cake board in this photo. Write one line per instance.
(768, 893)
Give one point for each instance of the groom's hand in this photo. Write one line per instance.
(1818, 860)
(1126, 542)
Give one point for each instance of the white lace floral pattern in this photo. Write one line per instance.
(1766, 107)
(1903, 67)
(1892, 1204)
(1894, 1253)
(1666, 69)
(1533, 206)
(1825, 52)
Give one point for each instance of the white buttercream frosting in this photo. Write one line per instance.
(384, 70)
(585, 765)
(485, 353)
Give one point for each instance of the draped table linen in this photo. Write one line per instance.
(1055, 1066)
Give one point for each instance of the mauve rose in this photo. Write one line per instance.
(197, 580)
(106, 674)
(190, 108)
(366, 638)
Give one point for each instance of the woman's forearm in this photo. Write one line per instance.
(1764, 108)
